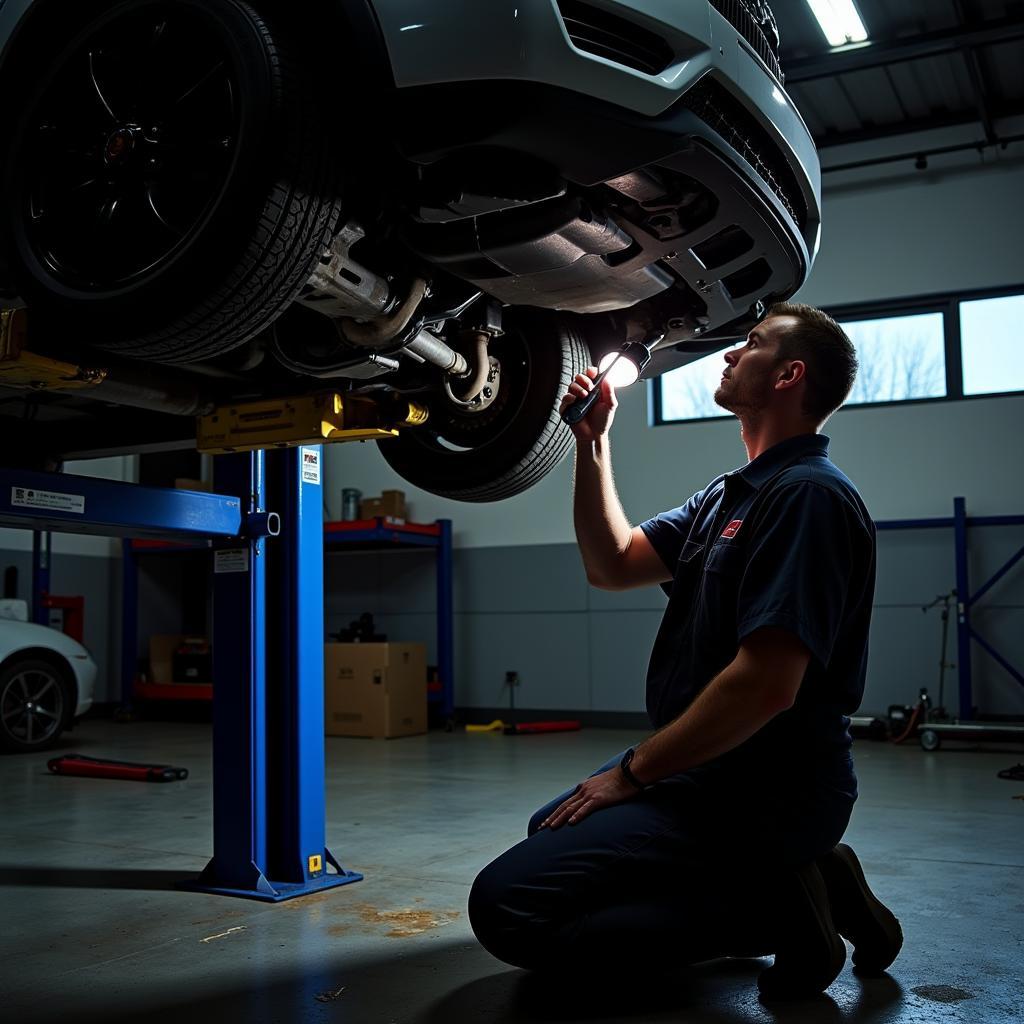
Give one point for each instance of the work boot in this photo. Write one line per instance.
(858, 914)
(810, 954)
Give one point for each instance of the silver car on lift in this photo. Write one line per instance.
(457, 204)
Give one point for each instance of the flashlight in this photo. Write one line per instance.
(622, 368)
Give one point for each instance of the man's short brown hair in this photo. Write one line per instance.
(825, 349)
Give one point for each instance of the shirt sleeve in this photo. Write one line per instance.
(800, 567)
(668, 531)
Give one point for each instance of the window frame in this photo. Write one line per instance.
(948, 304)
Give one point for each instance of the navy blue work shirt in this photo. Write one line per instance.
(784, 542)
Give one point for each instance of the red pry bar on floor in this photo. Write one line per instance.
(100, 768)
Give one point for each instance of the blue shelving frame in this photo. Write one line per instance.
(265, 526)
(960, 523)
(378, 534)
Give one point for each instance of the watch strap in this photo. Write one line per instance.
(627, 772)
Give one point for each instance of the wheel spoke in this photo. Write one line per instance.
(46, 714)
(28, 728)
(198, 85)
(49, 685)
(24, 686)
(14, 712)
(153, 207)
(97, 89)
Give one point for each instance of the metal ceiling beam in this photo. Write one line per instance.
(921, 124)
(862, 56)
(977, 76)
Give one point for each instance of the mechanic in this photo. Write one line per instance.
(717, 835)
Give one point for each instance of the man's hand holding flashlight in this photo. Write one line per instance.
(598, 420)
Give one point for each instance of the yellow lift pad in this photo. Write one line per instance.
(20, 368)
(308, 419)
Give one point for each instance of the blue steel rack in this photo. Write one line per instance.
(374, 534)
(960, 523)
(268, 731)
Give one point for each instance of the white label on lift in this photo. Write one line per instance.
(310, 466)
(231, 560)
(27, 497)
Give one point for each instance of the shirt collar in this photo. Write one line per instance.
(758, 472)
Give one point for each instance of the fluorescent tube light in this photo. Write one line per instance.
(839, 21)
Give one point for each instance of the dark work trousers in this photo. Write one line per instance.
(690, 869)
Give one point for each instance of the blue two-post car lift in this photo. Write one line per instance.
(266, 527)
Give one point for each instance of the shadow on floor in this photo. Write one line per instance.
(457, 982)
(92, 878)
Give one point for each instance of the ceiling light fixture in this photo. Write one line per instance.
(839, 21)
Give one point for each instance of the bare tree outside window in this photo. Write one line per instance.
(901, 357)
(688, 393)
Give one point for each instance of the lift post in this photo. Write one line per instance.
(268, 732)
(268, 724)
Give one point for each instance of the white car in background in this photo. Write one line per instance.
(46, 682)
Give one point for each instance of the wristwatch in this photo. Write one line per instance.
(627, 759)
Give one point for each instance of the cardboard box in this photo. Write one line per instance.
(390, 503)
(161, 656)
(375, 690)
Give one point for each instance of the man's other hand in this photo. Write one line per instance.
(604, 790)
(598, 420)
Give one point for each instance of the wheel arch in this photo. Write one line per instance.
(51, 657)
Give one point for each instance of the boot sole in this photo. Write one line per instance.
(872, 927)
(782, 981)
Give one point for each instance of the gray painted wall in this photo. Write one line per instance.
(530, 609)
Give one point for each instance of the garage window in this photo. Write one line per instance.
(927, 349)
(687, 393)
(901, 357)
(990, 345)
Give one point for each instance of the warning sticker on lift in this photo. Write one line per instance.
(231, 560)
(27, 497)
(311, 465)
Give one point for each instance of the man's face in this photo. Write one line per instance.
(748, 380)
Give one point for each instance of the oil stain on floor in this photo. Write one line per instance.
(942, 993)
(406, 923)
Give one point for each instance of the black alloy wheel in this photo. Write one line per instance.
(34, 705)
(129, 148)
(171, 182)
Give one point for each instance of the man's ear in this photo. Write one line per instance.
(790, 374)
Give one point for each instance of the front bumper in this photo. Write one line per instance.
(465, 41)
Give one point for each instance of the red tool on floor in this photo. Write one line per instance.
(514, 728)
(100, 768)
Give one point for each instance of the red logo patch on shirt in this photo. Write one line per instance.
(733, 528)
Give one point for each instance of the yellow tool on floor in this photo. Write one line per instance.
(496, 726)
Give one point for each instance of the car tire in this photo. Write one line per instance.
(211, 201)
(40, 682)
(519, 439)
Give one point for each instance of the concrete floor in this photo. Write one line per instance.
(92, 929)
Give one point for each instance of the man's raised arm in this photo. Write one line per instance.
(615, 555)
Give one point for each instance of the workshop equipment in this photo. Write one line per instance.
(263, 525)
(621, 367)
(350, 504)
(102, 768)
(526, 728)
(305, 420)
(514, 728)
